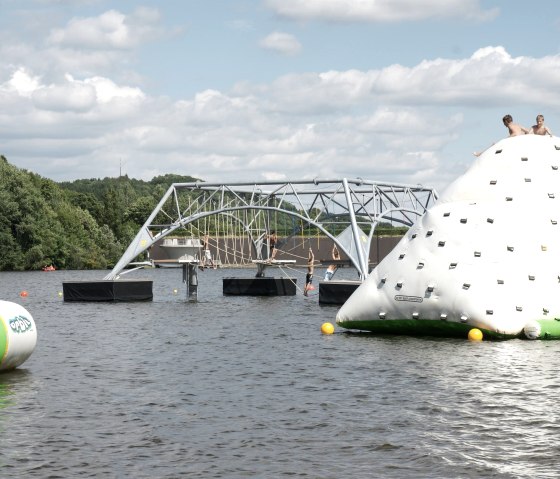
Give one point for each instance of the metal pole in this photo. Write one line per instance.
(185, 278)
(359, 249)
(192, 284)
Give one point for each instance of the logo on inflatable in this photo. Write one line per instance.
(410, 299)
(20, 324)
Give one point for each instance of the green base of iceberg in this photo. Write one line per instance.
(549, 328)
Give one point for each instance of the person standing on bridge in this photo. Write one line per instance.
(272, 241)
(206, 253)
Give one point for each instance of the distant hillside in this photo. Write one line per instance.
(83, 224)
(123, 204)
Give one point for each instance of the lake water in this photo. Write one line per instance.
(237, 387)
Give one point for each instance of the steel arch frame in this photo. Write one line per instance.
(362, 202)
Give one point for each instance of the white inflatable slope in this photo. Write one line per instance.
(487, 255)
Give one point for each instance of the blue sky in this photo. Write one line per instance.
(229, 90)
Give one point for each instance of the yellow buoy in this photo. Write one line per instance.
(327, 328)
(175, 291)
(475, 334)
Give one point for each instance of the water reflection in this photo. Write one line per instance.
(6, 393)
(13, 383)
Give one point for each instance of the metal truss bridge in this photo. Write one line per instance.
(344, 210)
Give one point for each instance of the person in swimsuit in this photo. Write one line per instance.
(309, 275)
(540, 128)
(513, 128)
(207, 254)
(331, 270)
(272, 240)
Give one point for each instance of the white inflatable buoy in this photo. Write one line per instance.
(18, 335)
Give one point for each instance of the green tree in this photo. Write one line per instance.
(139, 211)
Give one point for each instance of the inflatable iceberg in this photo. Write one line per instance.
(486, 255)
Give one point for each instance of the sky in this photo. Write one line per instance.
(400, 91)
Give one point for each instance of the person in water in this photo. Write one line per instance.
(309, 275)
(540, 128)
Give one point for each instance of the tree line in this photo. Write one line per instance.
(83, 224)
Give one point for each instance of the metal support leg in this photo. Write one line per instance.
(260, 270)
(190, 278)
(192, 288)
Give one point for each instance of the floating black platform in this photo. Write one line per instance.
(336, 292)
(265, 286)
(108, 290)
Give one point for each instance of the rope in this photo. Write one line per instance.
(291, 280)
(299, 272)
(293, 255)
(234, 241)
(295, 284)
(229, 253)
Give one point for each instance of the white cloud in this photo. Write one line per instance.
(70, 94)
(105, 44)
(107, 91)
(390, 124)
(489, 77)
(110, 30)
(69, 97)
(280, 42)
(21, 82)
(380, 10)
